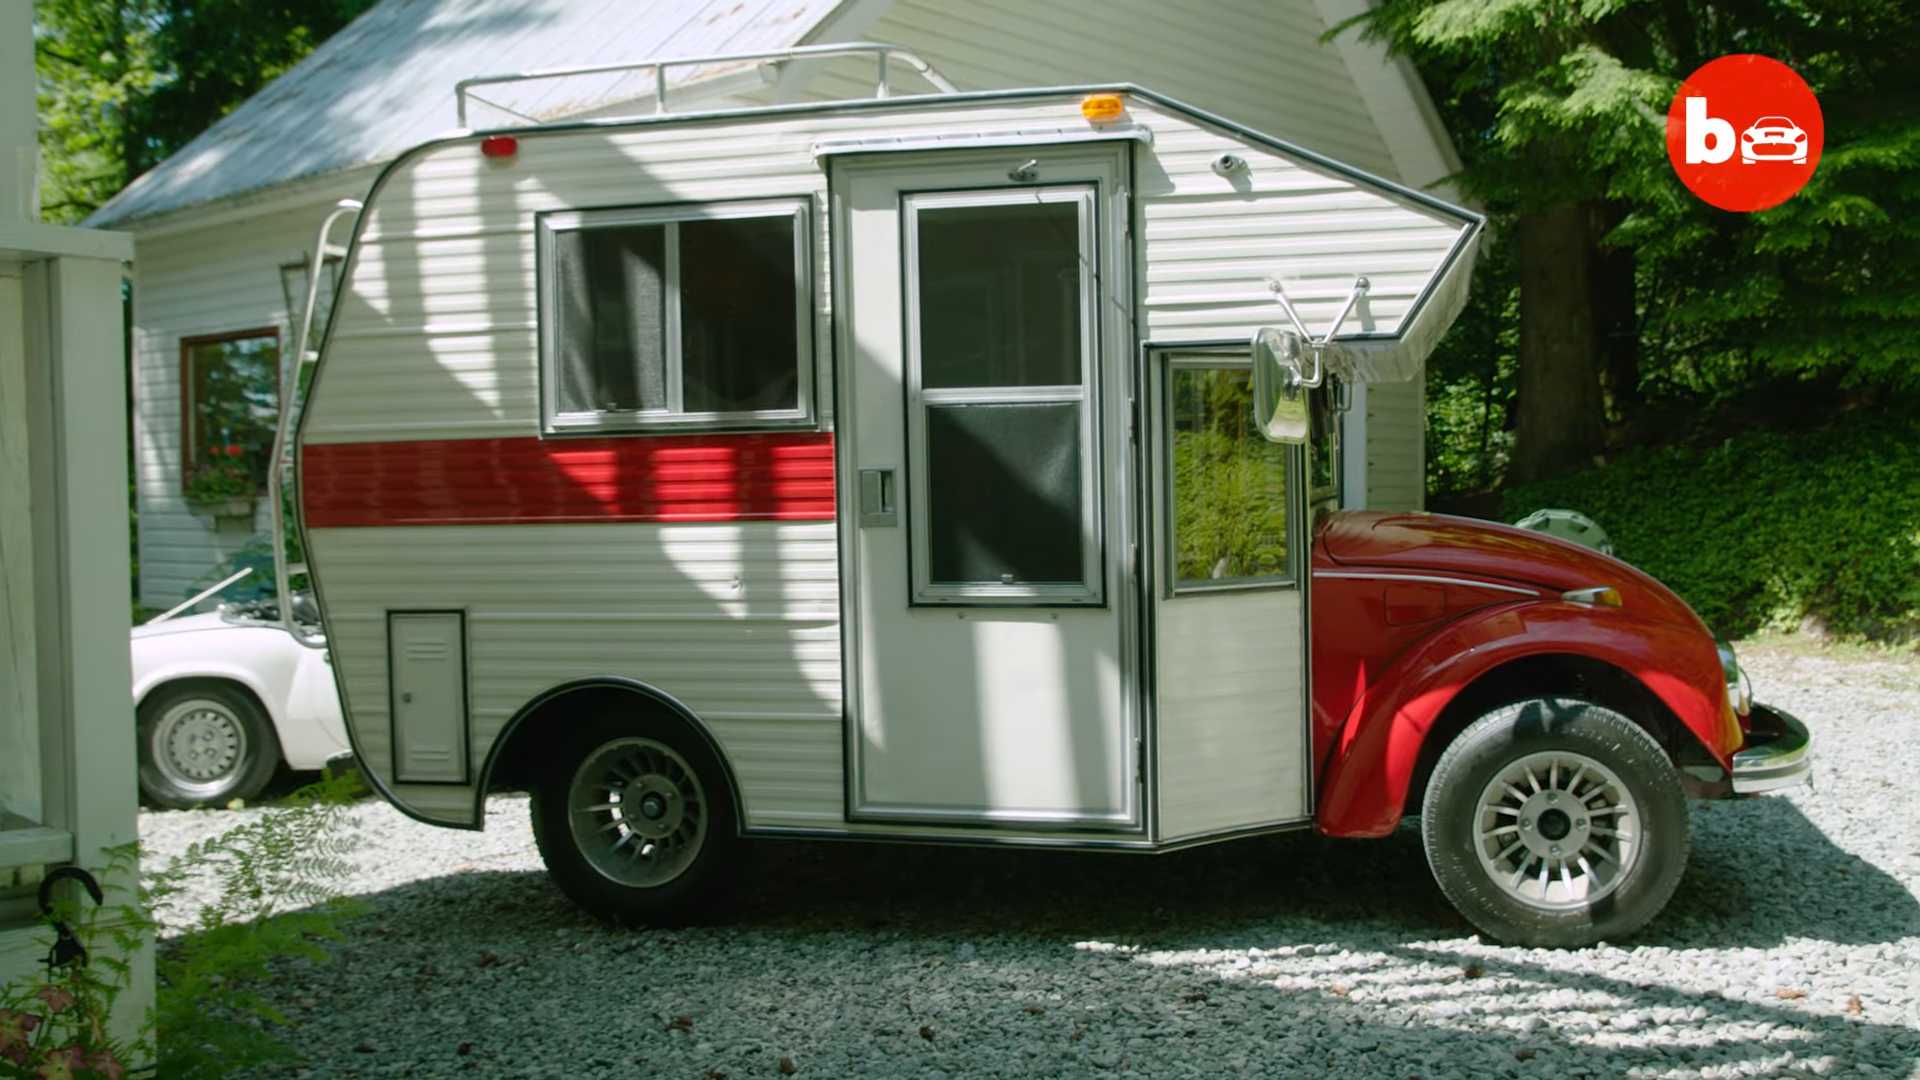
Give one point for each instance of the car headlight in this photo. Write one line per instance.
(1739, 687)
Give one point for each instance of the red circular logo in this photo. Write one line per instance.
(1744, 133)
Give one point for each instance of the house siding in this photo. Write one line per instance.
(213, 280)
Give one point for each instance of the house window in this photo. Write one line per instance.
(666, 318)
(1005, 497)
(1227, 487)
(229, 405)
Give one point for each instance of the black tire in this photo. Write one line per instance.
(186, 730)
(710, 858)
(1452, 820)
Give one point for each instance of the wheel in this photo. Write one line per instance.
(1556, 822)
(204, 743)
(634, 818)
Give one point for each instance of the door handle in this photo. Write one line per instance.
(876, 499)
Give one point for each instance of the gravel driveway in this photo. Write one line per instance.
(1792, 948)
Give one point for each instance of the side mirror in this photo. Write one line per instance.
(1280, 385)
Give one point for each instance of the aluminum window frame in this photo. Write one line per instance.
(550, 224)
(1090, 591)
(1175, 360)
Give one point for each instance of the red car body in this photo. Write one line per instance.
(1411, 612)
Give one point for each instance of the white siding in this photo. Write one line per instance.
(435, 339)
(1257, 62)
(1230, 734)
(1397, 446)
(188, 284)
(446, 261)
(739, 622)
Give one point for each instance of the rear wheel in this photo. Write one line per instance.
(1556, 822)
(634, 818)
(204, 743)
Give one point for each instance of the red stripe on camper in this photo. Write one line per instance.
(758, 477)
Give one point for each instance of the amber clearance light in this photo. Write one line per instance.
(1101, 108)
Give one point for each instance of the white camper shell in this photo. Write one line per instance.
(806, 471)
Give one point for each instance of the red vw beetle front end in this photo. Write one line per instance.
(1545, 708)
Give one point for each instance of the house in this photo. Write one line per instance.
(222, 228)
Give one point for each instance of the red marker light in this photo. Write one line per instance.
(499, 146)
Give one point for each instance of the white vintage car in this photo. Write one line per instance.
(225, 698)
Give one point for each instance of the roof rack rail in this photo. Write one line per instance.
(883, 54)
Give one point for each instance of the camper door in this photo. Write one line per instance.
(984, 352)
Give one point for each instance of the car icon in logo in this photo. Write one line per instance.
(1773, 138)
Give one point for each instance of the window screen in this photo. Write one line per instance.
(1227, 484)
(612, 332)
(1004, 504)
(676, 316)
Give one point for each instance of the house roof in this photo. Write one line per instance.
(385, 82)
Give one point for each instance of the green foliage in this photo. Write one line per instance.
(1229, 484)
(218, 480)
(273, 888)
(1766, 530)
(274, 881)
(124, 83)
(53, 1025)
(1556, 103)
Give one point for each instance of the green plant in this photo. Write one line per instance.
(1767, 530)
(54, 1026)
(274, 882)
(222, 476)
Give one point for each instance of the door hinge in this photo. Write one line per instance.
(1139, 761)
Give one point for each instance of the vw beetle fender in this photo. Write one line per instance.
(1371, 766)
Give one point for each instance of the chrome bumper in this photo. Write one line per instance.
(1776, 756)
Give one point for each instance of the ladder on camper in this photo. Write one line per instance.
(884, 57)
(292, 400)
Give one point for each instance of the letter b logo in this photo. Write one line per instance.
(1744, 133)
(1709, 138)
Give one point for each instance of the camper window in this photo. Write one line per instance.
(229, 405)
(1226, 485)
(1005, 507)
(676, 317)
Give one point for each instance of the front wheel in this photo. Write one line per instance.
(204, 743)
(1556, 822)
(634, 819)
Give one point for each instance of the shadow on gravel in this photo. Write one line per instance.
(1299, 952)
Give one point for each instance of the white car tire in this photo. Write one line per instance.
(204, 742)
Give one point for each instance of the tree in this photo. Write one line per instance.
(1626, 283)
(125, 83)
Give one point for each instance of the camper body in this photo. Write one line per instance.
(885, 470)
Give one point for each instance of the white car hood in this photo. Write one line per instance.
(181, 624)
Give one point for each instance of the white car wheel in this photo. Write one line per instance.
(204, 743)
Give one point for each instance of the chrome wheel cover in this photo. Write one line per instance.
(1557, 830)
(637, 812)
(199, 745)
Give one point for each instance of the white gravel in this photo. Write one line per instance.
(1792, 948)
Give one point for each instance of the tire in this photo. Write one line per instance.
(1494, 817)
(203, 742)
(632, 866)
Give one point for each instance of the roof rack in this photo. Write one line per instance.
(883, 54)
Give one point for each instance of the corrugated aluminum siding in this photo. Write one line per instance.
(740, 622)
(435, 339)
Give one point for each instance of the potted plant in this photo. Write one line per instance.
(223, 486)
